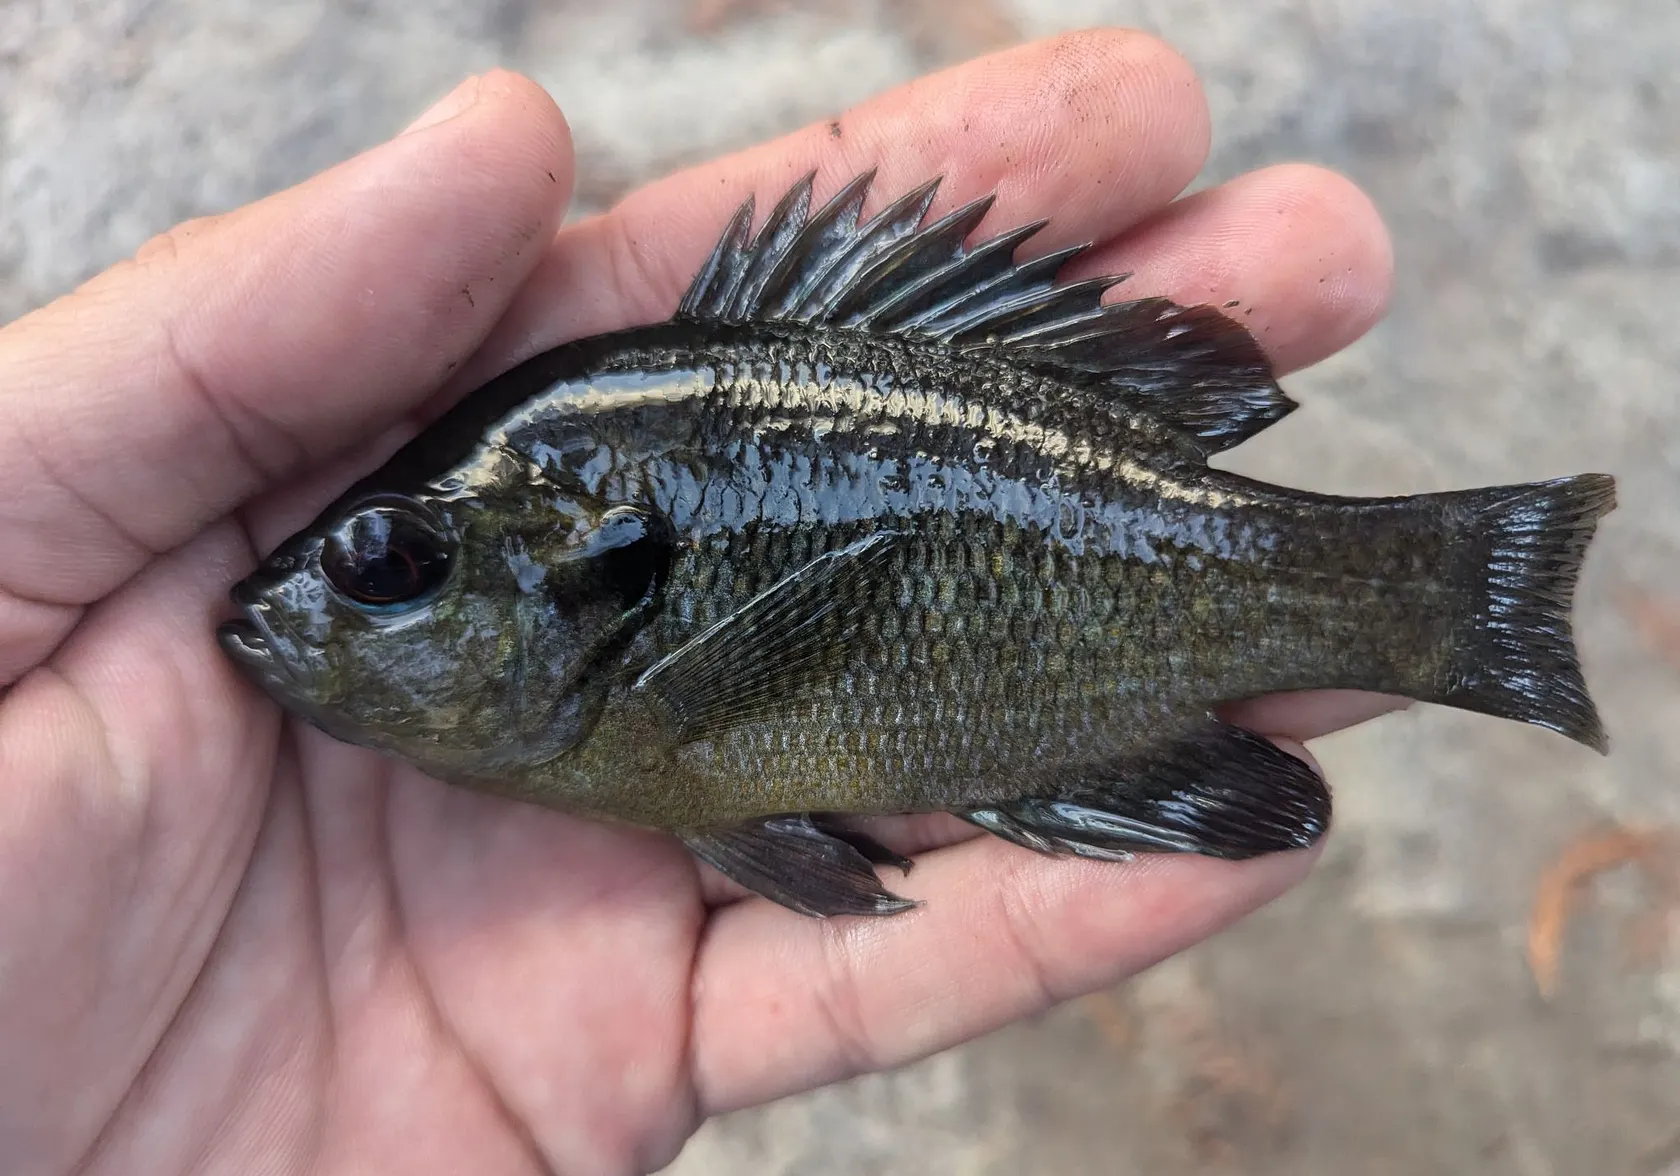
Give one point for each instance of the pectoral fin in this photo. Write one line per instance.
(791, 861)
(789, 636)
(1221, 791)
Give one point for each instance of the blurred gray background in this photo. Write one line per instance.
(1527, 156)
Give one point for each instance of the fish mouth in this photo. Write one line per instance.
(246, 644)
(267, 657)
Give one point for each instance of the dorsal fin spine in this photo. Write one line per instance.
(929, 299)
(781, 228)
(807, 261)
(1192, 367)
(887, 273)
(704, 293)
(893, 222)
(1023, 281)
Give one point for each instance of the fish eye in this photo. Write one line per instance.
(386, 556)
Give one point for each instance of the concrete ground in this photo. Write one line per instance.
(1527, 155)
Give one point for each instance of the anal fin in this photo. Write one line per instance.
(1220, 791)
(792, 861)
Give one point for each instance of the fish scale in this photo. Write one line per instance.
(881, 523)
(1048, 611)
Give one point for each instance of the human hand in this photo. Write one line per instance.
(228, 942)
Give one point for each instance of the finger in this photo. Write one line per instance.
(1312, 714)
(1300, 250)
(1096, 129)
(234, 351)
(130, 748)
(784, 1003)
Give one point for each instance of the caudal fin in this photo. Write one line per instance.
(1517, 659)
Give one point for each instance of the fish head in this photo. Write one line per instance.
(465, 628)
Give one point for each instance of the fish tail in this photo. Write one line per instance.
(1514, 655)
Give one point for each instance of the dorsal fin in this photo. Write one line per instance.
(1190, 366)
(780, 230)
(714, 286)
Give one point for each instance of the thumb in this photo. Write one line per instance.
(232, 352)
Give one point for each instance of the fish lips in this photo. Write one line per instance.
(252, 643)
(246, 644)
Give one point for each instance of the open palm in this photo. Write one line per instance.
(228, 943)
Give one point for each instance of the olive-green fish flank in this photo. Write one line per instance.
(881, 523)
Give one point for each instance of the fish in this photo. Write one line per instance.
(886, 521)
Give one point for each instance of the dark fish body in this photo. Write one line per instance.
(879, 524)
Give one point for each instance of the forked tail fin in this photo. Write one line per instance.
(1517, 659)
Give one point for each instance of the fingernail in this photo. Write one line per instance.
(460, 99)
